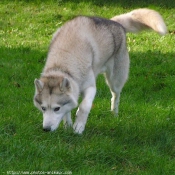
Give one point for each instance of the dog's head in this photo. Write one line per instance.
(54, 98)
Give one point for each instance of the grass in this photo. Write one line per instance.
(140, 141)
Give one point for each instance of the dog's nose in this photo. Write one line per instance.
(47, 129)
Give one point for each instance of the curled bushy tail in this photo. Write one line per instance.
(141, 19)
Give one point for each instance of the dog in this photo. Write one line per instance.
(80, 50)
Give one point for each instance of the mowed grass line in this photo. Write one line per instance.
(141, 140)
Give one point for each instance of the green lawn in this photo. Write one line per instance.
(140, 141)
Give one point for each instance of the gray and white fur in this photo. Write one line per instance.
(80, 50)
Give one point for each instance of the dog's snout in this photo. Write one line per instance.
(47, 129)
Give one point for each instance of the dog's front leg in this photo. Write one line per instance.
(84, 109)
(67, 120)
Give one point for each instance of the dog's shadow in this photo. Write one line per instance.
(161, 71)
(126, 3)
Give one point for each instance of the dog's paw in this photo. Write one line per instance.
(78, 128)
(115, 111)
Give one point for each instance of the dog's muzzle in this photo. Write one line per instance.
(47, 129)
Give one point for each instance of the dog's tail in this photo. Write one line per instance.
(141, 19)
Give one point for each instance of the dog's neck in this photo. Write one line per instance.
(54, 71)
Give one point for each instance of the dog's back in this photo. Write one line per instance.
(85, 43)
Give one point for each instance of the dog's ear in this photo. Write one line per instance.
(38, 85)
(64, 85)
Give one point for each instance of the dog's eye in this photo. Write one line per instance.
(57, 109)
(43, 108)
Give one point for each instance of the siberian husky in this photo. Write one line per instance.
(80, 50)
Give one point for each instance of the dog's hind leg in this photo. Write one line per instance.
(116, 76)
